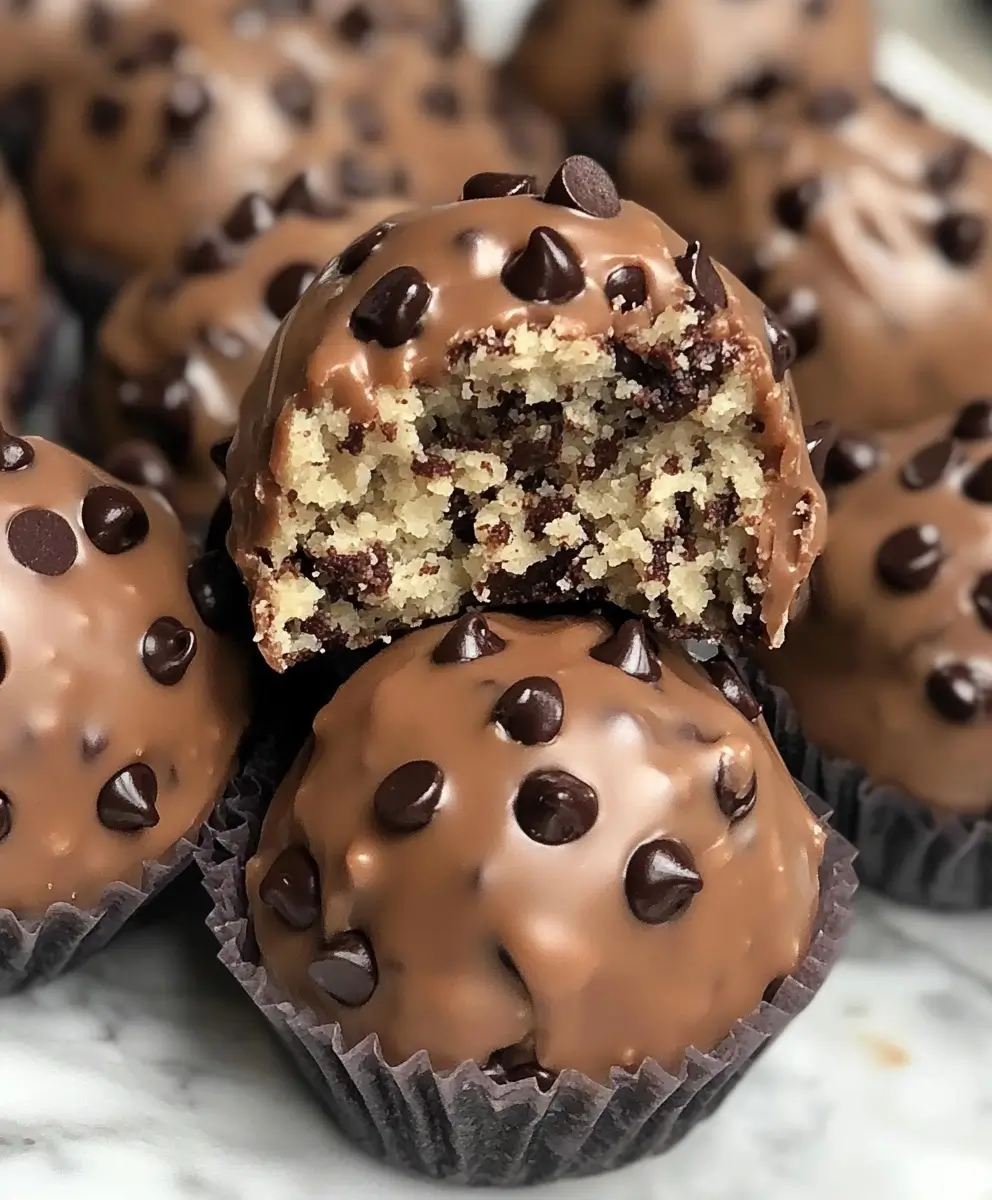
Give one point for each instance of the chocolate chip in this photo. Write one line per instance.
(581, 183)
(819, 442)
(141, 464)
(366, 118)
(928, 466)
(167, 650)
(507, 1066)
(781, 345)
(799, 312)
(15, 453)
(159, 410)
(697, 269)
(629, 286)
(531, 711)
(735, 801)
(126, 802)
(958, 693)
(187, 104)
(291, 888)
(468, 639)
(217, 591)
(391, 311)
(960, 237)
(306, 193)
(661, 881)
(978, 485)
(441, 100)
(909, 559)
(208, 254)
(690, 126)
(114, 519)
(494, 185)
(547, 270)
(356, 25)
(850, 457)
(218, 454)
(251, 216)
(93, 745)
(761, 85)
(710, 164)
(982, 597)
(831, 106)
(106, 115)
(6, 816)
(285, 288)
(727, 680)
(630, 651)
(622, 102)
(42, 541)
(974, 423)
(793, 205)
(946, 169)
(347, 970)
(406, 799)
(357, 252)
(554, 807)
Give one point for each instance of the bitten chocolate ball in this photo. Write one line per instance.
(21, 299)
(891, 666)
(527, 396)
(539, 846)
(120, 710)
(180, 345)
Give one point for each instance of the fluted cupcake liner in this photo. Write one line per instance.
(906, 851)
(460, 1125)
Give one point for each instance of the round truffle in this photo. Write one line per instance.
(179, 346)
(891, 666)
(539, 846)
(120, 710)
(21, 298)
(524, 397)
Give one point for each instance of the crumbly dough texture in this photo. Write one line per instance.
(559, 855)
(643, 449)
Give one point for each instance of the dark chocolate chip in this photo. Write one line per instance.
(285, 288)
(958, 693)
(114, 519)
(356, 25)
(661, 881)
(909, 559)
(630, 650)
(366, 118)
(781, 345)
(697, 269)
(982, 596)
(357, 252)
(690, 126)
(15, 453)
(727, 680)
(735, 801)
(819, 442)
(629, 286)
(622, 102)
(850, 457)
(494, 185)
(406, 799)
(42, 541)
(217, 591)
(208, 254)
(218, 454)
(93, 745)
(710, 164)
(468, 639)
(347, 969)
(186, 106)
(960, 237)
(159, 410)
(167, 650)
(793, 205)
(531, 711)
(441, 100)
(831, 106)
(126, 802)
(291, 888)
(251, 216)
(974, 423)
(761, 85)
(928, 466)
(6, 816)
(306, 193)
(946, 169)
(582, 184)
(392, 310)
(547, 270)
(106, 115)
(978, 485)
(293, 94)
(554, 807)
(799, 312)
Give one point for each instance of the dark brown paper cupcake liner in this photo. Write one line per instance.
(905, 851)
(460, 1126)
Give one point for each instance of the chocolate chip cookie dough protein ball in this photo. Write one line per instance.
(521, 398)
(539, 846)
(121, 710)
(179, 346)
(23, 309)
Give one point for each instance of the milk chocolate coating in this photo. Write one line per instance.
(178, 348)
(120, 710)
(188, 106)
(582, 903)
(409, 306)
(21, 296)
(891, 667)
